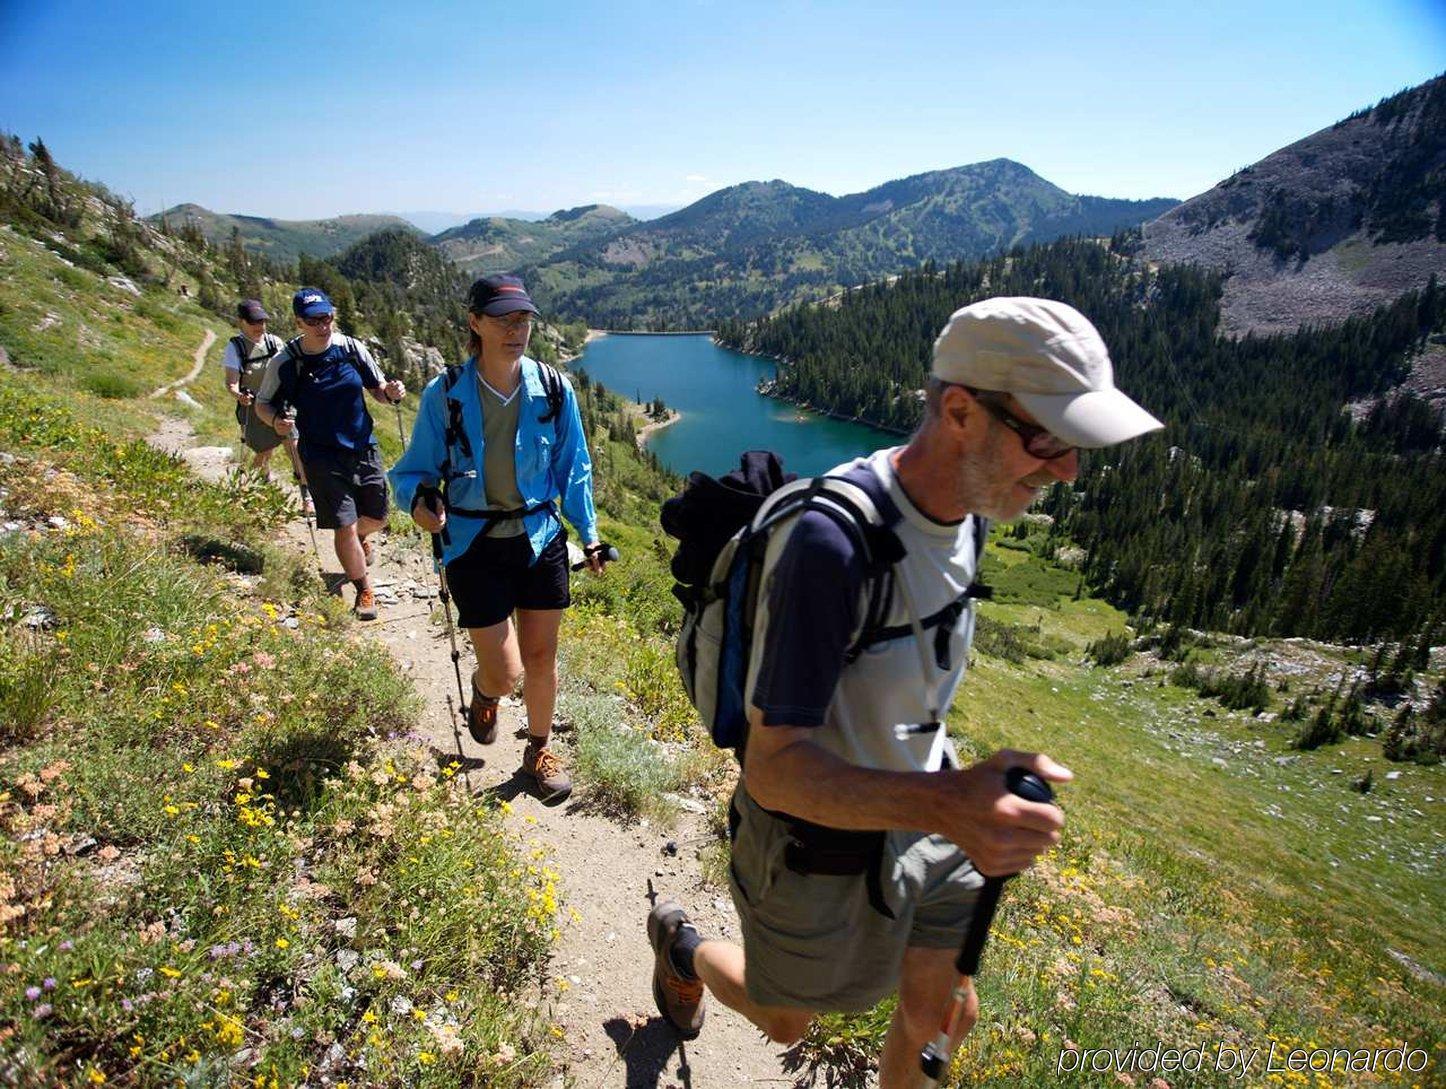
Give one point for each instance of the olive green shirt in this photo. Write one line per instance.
(499, 455)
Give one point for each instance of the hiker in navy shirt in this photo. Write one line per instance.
(315, 385)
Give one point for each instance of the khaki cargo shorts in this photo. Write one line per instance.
(815, 941)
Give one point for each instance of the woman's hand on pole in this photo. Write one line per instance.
(596, 554)
(429, 515)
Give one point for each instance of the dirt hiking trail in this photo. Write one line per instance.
(599, 987)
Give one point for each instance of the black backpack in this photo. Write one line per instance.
(723, 525)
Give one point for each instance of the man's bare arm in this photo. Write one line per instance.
(1002, 833)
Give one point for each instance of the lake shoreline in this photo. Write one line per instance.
(657, 425)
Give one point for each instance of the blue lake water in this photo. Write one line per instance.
(723, 413)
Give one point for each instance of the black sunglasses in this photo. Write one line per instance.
(1038, 442)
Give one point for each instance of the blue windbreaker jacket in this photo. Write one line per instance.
(552, 460)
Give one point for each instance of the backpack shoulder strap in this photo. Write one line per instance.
(454, 433)
(553, 388)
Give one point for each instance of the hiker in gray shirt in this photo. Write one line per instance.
(859, 845)
(244, 362)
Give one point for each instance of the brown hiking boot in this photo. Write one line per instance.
(482, 716)
(366, 604)
(545, 767)
(679, 1000)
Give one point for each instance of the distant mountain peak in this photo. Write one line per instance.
(569, 215)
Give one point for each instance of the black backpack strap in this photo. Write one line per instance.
(552, 387)
(454, 432)
(942, 621)
(978, 589)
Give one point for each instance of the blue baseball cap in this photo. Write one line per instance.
(311, 302)
(498, 295)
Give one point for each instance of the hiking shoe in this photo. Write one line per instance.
(482, 716)
(366, 604)
(369, 550)
(545, 767)
(680, 1000)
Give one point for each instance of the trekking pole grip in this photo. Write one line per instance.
(608, 552)
(1031, 787)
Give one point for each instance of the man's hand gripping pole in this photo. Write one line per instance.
(935, 1058)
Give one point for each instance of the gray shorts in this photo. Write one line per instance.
(815, 941)
(255, 435)
(346, 484)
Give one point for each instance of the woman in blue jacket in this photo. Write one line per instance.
(501, 438)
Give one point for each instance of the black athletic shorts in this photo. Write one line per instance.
(345, 485)
(496, 575)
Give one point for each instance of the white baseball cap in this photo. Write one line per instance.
(1050, 358)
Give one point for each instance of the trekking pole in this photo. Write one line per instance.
(431, 500)
(938, 1053)
(246, 421)
(303, 491)
(401, 431)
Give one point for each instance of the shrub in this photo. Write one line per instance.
(113, 385)
(1110, 650)
(625, 771)
(1419, 735)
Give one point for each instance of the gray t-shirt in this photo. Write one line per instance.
(499, 454)
(252, 365)
(807, 618)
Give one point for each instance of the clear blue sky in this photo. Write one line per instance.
(301, 110)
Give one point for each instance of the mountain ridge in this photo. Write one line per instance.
(499, 244)
(760, 244)
(1327, 227)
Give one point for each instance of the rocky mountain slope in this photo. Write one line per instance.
(1331, 226)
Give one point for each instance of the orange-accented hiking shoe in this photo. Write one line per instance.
(366, 604)
(482, 716)
(680, 1000)
(545, 767)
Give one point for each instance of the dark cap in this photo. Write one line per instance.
(311, 302)
(498, 295)
(251, 310)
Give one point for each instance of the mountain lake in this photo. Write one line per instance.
(723, 414)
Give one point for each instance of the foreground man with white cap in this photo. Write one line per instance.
(859, 847)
